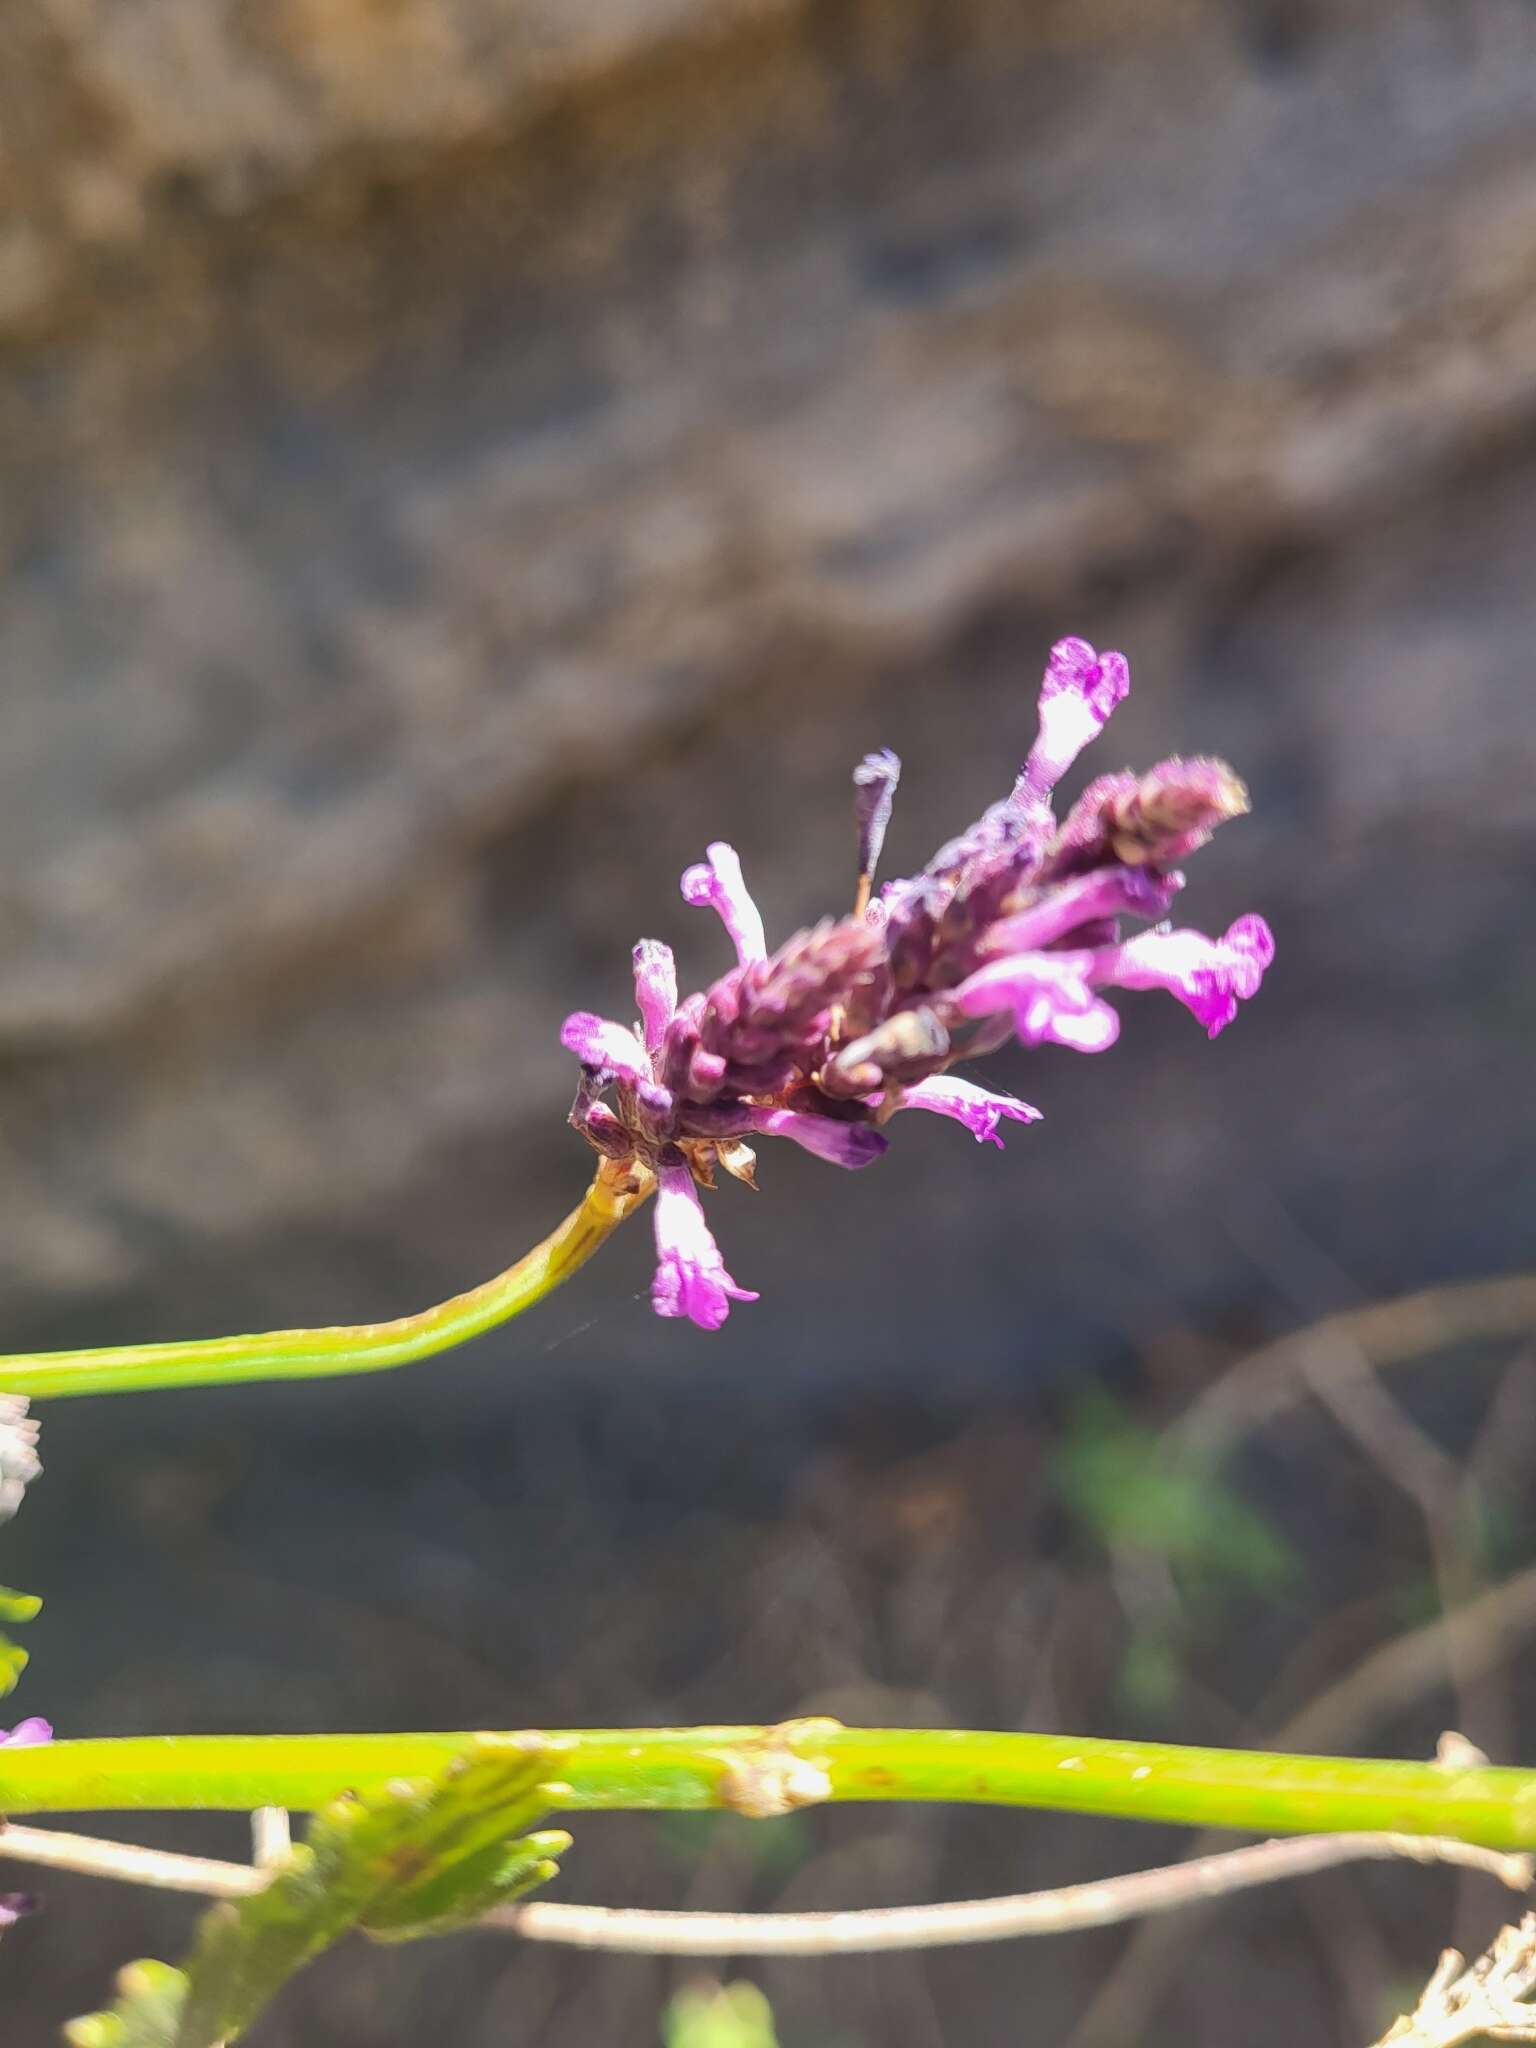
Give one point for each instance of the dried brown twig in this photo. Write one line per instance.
(1488, 2001)
(861, 1931)
(1272, 1380)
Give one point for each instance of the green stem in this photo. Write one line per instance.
(671, 1768)
(352, 1347)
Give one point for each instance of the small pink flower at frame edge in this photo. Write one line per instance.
(19, 1462)
(27, 1734)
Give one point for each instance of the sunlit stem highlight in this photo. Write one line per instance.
(677, 1768)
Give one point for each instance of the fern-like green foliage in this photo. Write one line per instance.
(13, 1658)
(424, 1856)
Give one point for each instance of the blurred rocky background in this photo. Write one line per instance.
(462, 455)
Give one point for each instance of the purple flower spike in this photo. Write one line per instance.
(27, 1734)
(1050, 997)
(1209, 976)
(979, 1109)
(850, 1145)
(1014, 928)
(691, 1279)
(1080, 690)
(718, 883)
(655, 990)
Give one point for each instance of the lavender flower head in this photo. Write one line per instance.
(1012, 930)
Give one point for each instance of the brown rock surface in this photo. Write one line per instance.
(449, 407)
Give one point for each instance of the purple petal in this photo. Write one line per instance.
(608, 1047)
(27, 1734)
(15, 1906)
(655, 989)
(1106, 892)
(691, 1279)
(874, 791)
(718, 884)
(1209, 976)
(1049, 995)
(706, 1072)
(850, 1145)
(614, 1053)
(979, 1109)
(1080, 690)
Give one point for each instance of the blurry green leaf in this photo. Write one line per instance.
(1125, 1485)
(775, 1853)
(424, 1856)
(1494, 1530)
(13, 1658)
(719, 2016)
(1151, 1673)
(149, 2002)
(1414, 1600)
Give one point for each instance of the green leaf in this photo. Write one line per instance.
(145, 2016)
(423, 1856)
(462, 1882)
(1125, 1486)
(719, 2016)
(1151, 1673)
(13, 1658)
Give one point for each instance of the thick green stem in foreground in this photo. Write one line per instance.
(672, 1768)
(352, 1347)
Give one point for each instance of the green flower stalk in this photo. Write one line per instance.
(617, 1190)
